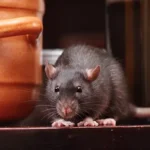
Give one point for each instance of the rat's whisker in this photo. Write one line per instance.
(47, 115)
(77, 114)
(49, 109)
(51, 116)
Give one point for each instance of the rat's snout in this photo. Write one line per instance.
(67, 111)
(67, 108)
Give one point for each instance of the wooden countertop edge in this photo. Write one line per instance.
(75, 128)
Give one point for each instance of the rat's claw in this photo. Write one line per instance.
(88, 122)
(62, 123)
(106, 122)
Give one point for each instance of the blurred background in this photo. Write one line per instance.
(120, 26)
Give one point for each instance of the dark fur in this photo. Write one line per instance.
(107, 96)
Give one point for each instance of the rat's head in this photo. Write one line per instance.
(70, 91)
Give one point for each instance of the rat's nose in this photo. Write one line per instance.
(67, 111)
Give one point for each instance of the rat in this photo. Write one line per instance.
(86, 87)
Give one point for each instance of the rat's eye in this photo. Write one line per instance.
(79, 89)
(57, 89)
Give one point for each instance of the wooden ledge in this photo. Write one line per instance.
(46, 138)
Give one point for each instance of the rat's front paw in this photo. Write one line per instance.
(106, 122)
(88, 122)
(62, 123)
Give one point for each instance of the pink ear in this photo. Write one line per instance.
(92, 74)
(49, 70)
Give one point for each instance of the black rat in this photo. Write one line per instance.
(87, 87)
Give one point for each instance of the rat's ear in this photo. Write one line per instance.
(50, 70)
(92, 74)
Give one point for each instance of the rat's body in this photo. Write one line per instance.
(103, 96)
(86, 87)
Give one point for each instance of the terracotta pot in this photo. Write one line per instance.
(20, 49)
